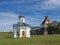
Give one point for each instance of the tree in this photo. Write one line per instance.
(58, 28)
(51, 29)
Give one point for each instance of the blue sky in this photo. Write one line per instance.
(33, 10)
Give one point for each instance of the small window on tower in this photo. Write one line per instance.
(22, 19)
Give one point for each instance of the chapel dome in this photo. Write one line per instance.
(21, 16)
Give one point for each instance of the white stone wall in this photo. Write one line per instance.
(14, 32)
(27, 32)
(20, 29)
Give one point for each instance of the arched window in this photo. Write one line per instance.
(22, 19)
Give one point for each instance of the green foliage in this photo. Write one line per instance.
(53, 29)
(58, 25)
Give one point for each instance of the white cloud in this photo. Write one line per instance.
(50, 4)
(47, 4)
(7, 20)
(35, 19)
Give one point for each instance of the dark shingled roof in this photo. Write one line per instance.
(21, 24)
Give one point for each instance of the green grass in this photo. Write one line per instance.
(5, 34)
(34, 40)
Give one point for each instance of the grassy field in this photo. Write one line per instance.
(5, 34)
(34, 40)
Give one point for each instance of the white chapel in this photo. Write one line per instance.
(21, 29)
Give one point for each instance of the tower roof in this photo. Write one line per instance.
(46, 20)
(21, 16)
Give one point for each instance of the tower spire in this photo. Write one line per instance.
(46, 20)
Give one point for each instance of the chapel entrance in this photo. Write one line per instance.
(23, 33)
